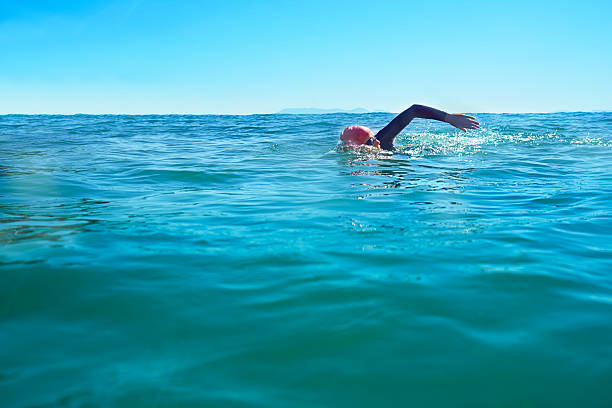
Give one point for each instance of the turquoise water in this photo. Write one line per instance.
(243, 261)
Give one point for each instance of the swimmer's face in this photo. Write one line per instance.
(372, 141)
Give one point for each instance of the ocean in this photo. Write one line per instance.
(246, 261)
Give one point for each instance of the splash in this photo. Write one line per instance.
(451, 143)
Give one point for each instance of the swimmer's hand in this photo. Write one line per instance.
(462, 122)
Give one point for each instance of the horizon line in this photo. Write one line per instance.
(274, 113)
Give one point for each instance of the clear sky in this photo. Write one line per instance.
(259, 56)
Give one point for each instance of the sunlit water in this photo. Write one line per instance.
(176, 261)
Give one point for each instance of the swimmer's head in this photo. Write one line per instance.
(358, 135)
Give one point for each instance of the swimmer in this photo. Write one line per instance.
(354, 136)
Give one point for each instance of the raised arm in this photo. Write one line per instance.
(387, 134)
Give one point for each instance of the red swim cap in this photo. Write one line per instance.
(356, 135)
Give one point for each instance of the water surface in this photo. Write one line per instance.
(176, 261)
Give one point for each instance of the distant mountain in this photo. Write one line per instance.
(301, 111)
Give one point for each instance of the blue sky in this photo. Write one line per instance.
(245, 57)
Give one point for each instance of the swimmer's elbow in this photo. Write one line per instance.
(409, 113)
(414, 108)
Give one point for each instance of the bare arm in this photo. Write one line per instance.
(387, 134)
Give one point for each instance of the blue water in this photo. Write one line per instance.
(244, 261)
